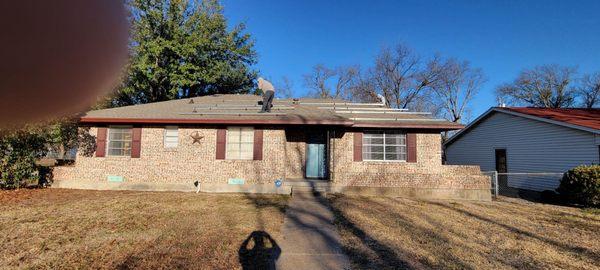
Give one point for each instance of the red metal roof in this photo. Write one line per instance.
(589, 118)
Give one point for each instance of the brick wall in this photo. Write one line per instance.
(427, 172)
(295, 152)
(284, 157)
(185, 164)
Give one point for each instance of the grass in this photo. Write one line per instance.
(392, 233)
(56, 229)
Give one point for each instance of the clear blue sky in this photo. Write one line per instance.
(501, 37)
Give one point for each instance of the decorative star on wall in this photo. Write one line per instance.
(196, 137)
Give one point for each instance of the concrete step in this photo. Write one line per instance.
(306, 183)
(300, 189)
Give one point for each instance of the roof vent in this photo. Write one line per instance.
(501, 103)
(191, 101)
(381, 99)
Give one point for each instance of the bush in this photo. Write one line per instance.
(22, 148)
(19, 151)
(581, 185)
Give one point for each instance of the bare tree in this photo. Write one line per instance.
(589, 90)
(363, 88)
(330, 83)
(548, 86)
(317, 81)
(401, 76)
(455, 86)
(346, 76)
(284, 88)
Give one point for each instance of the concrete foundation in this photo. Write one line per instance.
(419, 193)
(183, 187)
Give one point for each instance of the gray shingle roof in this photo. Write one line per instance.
(244, 109)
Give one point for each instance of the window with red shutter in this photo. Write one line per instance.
(136, 142)
(358, 146)
(221, 143)
(411, 147)
(258, 144)
(101, 142)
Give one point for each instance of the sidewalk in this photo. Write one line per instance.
(310, 240)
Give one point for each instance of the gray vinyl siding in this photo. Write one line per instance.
(531, 146)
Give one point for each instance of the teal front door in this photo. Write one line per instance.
(316, 157)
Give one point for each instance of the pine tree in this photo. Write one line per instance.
(183, 48)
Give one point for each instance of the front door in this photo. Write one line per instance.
(501, 167)
(316, 156)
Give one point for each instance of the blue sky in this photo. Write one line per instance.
(500, 37)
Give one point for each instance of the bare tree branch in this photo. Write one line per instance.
(401, 76)
(548, 86)
(317, 81)
(346, 75)
(284, 88)
(455, 86)
(322, 80)
(589, 90)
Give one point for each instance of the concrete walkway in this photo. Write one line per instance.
(310, 240)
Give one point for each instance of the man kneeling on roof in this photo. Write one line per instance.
(268, 94)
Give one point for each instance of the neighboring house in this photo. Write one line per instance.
(528, 140)
(223, 144)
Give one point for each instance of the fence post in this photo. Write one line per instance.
(495, 184)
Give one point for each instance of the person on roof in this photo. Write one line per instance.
(268, 94)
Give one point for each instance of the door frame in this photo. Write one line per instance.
(502, 179)
(325, 135)
(496, 163)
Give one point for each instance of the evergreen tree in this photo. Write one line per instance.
(183, 48)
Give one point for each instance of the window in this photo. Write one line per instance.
(240, 143)
(171, 136)
(119, 141)
(384, 145)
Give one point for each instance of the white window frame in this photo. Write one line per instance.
(108, 140)
(238, 144)
(383, 132)
(166, 136)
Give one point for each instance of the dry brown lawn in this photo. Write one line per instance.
(57, 229)
(386, 233)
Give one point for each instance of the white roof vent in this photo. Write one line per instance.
(382, 99)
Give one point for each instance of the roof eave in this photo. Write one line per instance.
(346, 123)
(551, 121)
(443, 127)
(101, 120)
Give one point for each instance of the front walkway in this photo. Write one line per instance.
(310, 240)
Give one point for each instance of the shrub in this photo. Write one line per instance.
(19, 151)
(21, 148)
(581, 185)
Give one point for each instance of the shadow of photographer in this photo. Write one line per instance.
(259, 251)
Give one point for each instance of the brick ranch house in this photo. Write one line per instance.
(221, 143)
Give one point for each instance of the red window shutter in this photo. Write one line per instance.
(221, 140)
(136, 142)
(358, 146)
(411, 147)
(258, 144)
(101, 142)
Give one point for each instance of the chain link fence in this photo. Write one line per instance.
(522, 184)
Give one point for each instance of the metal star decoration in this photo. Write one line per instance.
(196, 137)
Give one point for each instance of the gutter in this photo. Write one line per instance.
(98, 120)
(344, 123)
